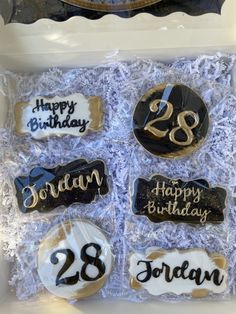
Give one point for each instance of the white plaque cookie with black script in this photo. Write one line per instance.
(71, 115)
(74, 259)
(192, 272)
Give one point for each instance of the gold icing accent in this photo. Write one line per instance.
(156, 254)
(167, 189)
(176, 192)
(134, 284)
(219, 260)
(184, 152)
(56, 237)
(90, 288)
(166, 116)
(200, 293)
(172, 208)
(182, 125)
(96, 113)
(152, 90)
(63, 185)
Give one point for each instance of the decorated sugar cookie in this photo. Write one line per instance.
(74, 260)
(170, 121)
(163, 199)
(77, 182)
(111, 6)
(192, 272)
(72, 115)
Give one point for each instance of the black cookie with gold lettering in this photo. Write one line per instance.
(77, 182)
(164, 199)
(170, 120)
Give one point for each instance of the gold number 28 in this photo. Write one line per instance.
(181, 120)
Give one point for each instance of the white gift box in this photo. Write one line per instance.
(83, 42)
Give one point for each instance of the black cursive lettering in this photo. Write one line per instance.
(60, 107)
(199, 276)
(53, 122)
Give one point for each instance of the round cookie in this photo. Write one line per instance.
(112, 6)
(74, 259)
(170, 120)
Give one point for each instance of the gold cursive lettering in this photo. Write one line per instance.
(33, 196)
(81, 182)
(51, 187)
(63, 184)
(177, 192)
(172, 209)
(43, 194)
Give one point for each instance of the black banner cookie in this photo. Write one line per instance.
(163, 199)
(170, 121)
(71, 115)
(74, 259)
(193, 271)
(46, 189)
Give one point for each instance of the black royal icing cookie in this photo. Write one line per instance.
(163, 199)
(46, 189)
(170, 120)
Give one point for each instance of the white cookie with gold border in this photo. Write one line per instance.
(74, 259)
(191, 271)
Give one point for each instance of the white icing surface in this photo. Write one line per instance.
(159, 286)
(81, 111)
(82, 233)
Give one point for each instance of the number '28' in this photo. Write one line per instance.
(181, 122)
(86, 258)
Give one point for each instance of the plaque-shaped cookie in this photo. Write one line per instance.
(71, 115)
(74, 259)
(179, 272)
(170, 121)
(77, 182)
(163, 199)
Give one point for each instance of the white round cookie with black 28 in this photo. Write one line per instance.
(74, 259)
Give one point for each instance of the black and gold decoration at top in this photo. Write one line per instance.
(129, 8)
(170, 121)
(163, 199)
(28, 11)
(77, 182)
